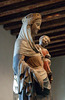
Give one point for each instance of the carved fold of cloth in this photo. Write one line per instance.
(32, 77)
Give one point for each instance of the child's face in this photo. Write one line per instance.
(44, 41)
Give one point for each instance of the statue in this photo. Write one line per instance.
(44, 41)
(28, 62)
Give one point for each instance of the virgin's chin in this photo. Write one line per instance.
(36, 32)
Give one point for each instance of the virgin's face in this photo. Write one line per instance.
(36, 26)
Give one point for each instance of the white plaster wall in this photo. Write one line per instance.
(6, 72)
(58, 86)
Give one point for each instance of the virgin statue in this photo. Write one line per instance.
(32, 78)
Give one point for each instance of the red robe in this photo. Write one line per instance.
(47, 62)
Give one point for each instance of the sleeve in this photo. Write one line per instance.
(47, 54)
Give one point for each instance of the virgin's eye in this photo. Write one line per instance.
(38, 24)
